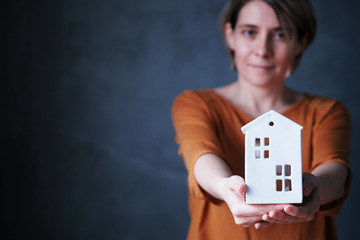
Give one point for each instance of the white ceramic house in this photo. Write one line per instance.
(273, 161)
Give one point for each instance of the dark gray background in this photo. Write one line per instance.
(87, 143)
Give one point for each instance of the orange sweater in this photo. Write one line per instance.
(205, 122)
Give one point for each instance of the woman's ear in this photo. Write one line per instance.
(229, 35)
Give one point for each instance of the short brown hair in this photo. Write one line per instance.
(298, 13)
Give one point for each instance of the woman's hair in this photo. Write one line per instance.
(296, 14)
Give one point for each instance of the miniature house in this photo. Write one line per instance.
(273, 162)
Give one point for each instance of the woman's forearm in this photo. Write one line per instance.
(211, 173)
(332, 177)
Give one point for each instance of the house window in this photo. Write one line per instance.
(287, 170)
(262, 148)
(257, 142)
(278, 185)
(287, 185)
(283, 178)
(257, 154)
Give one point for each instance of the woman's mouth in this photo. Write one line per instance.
(261, 67)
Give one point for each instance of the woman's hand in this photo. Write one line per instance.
(215, 177)
(303, 212)
(233, 194)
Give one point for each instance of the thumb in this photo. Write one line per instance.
(309, 183)
(237, 184)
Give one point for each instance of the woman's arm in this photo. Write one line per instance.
(211, 173)
(332, 177)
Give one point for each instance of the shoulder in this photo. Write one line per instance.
(325, 104)
(199, 97)
(193, 105)
(324, 107)
(320, 101)
(202, 93)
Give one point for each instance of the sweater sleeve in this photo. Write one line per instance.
(195, 134)
(331, 144)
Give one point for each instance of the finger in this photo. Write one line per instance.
(244, 213)
(237, 184)
(309, 184)
(293, 211)
(307, 188)
(307, 209)
(262, 224)
(300, 212)
(246, 221)
(242, 189)
(280, 217)
(248, 210)
(274, 216)
(266, 208)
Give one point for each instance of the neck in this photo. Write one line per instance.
(255, 100)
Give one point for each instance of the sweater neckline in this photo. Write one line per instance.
(250, 118)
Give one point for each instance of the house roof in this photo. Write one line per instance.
(269, 115)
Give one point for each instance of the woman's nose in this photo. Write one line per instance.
(264, 46)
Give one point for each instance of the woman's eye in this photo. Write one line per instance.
(249, 33)
(279, 35)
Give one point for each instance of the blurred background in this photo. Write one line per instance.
(86, 88)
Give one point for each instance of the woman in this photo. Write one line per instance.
(266, 39)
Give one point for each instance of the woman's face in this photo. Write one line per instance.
(263, 55)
